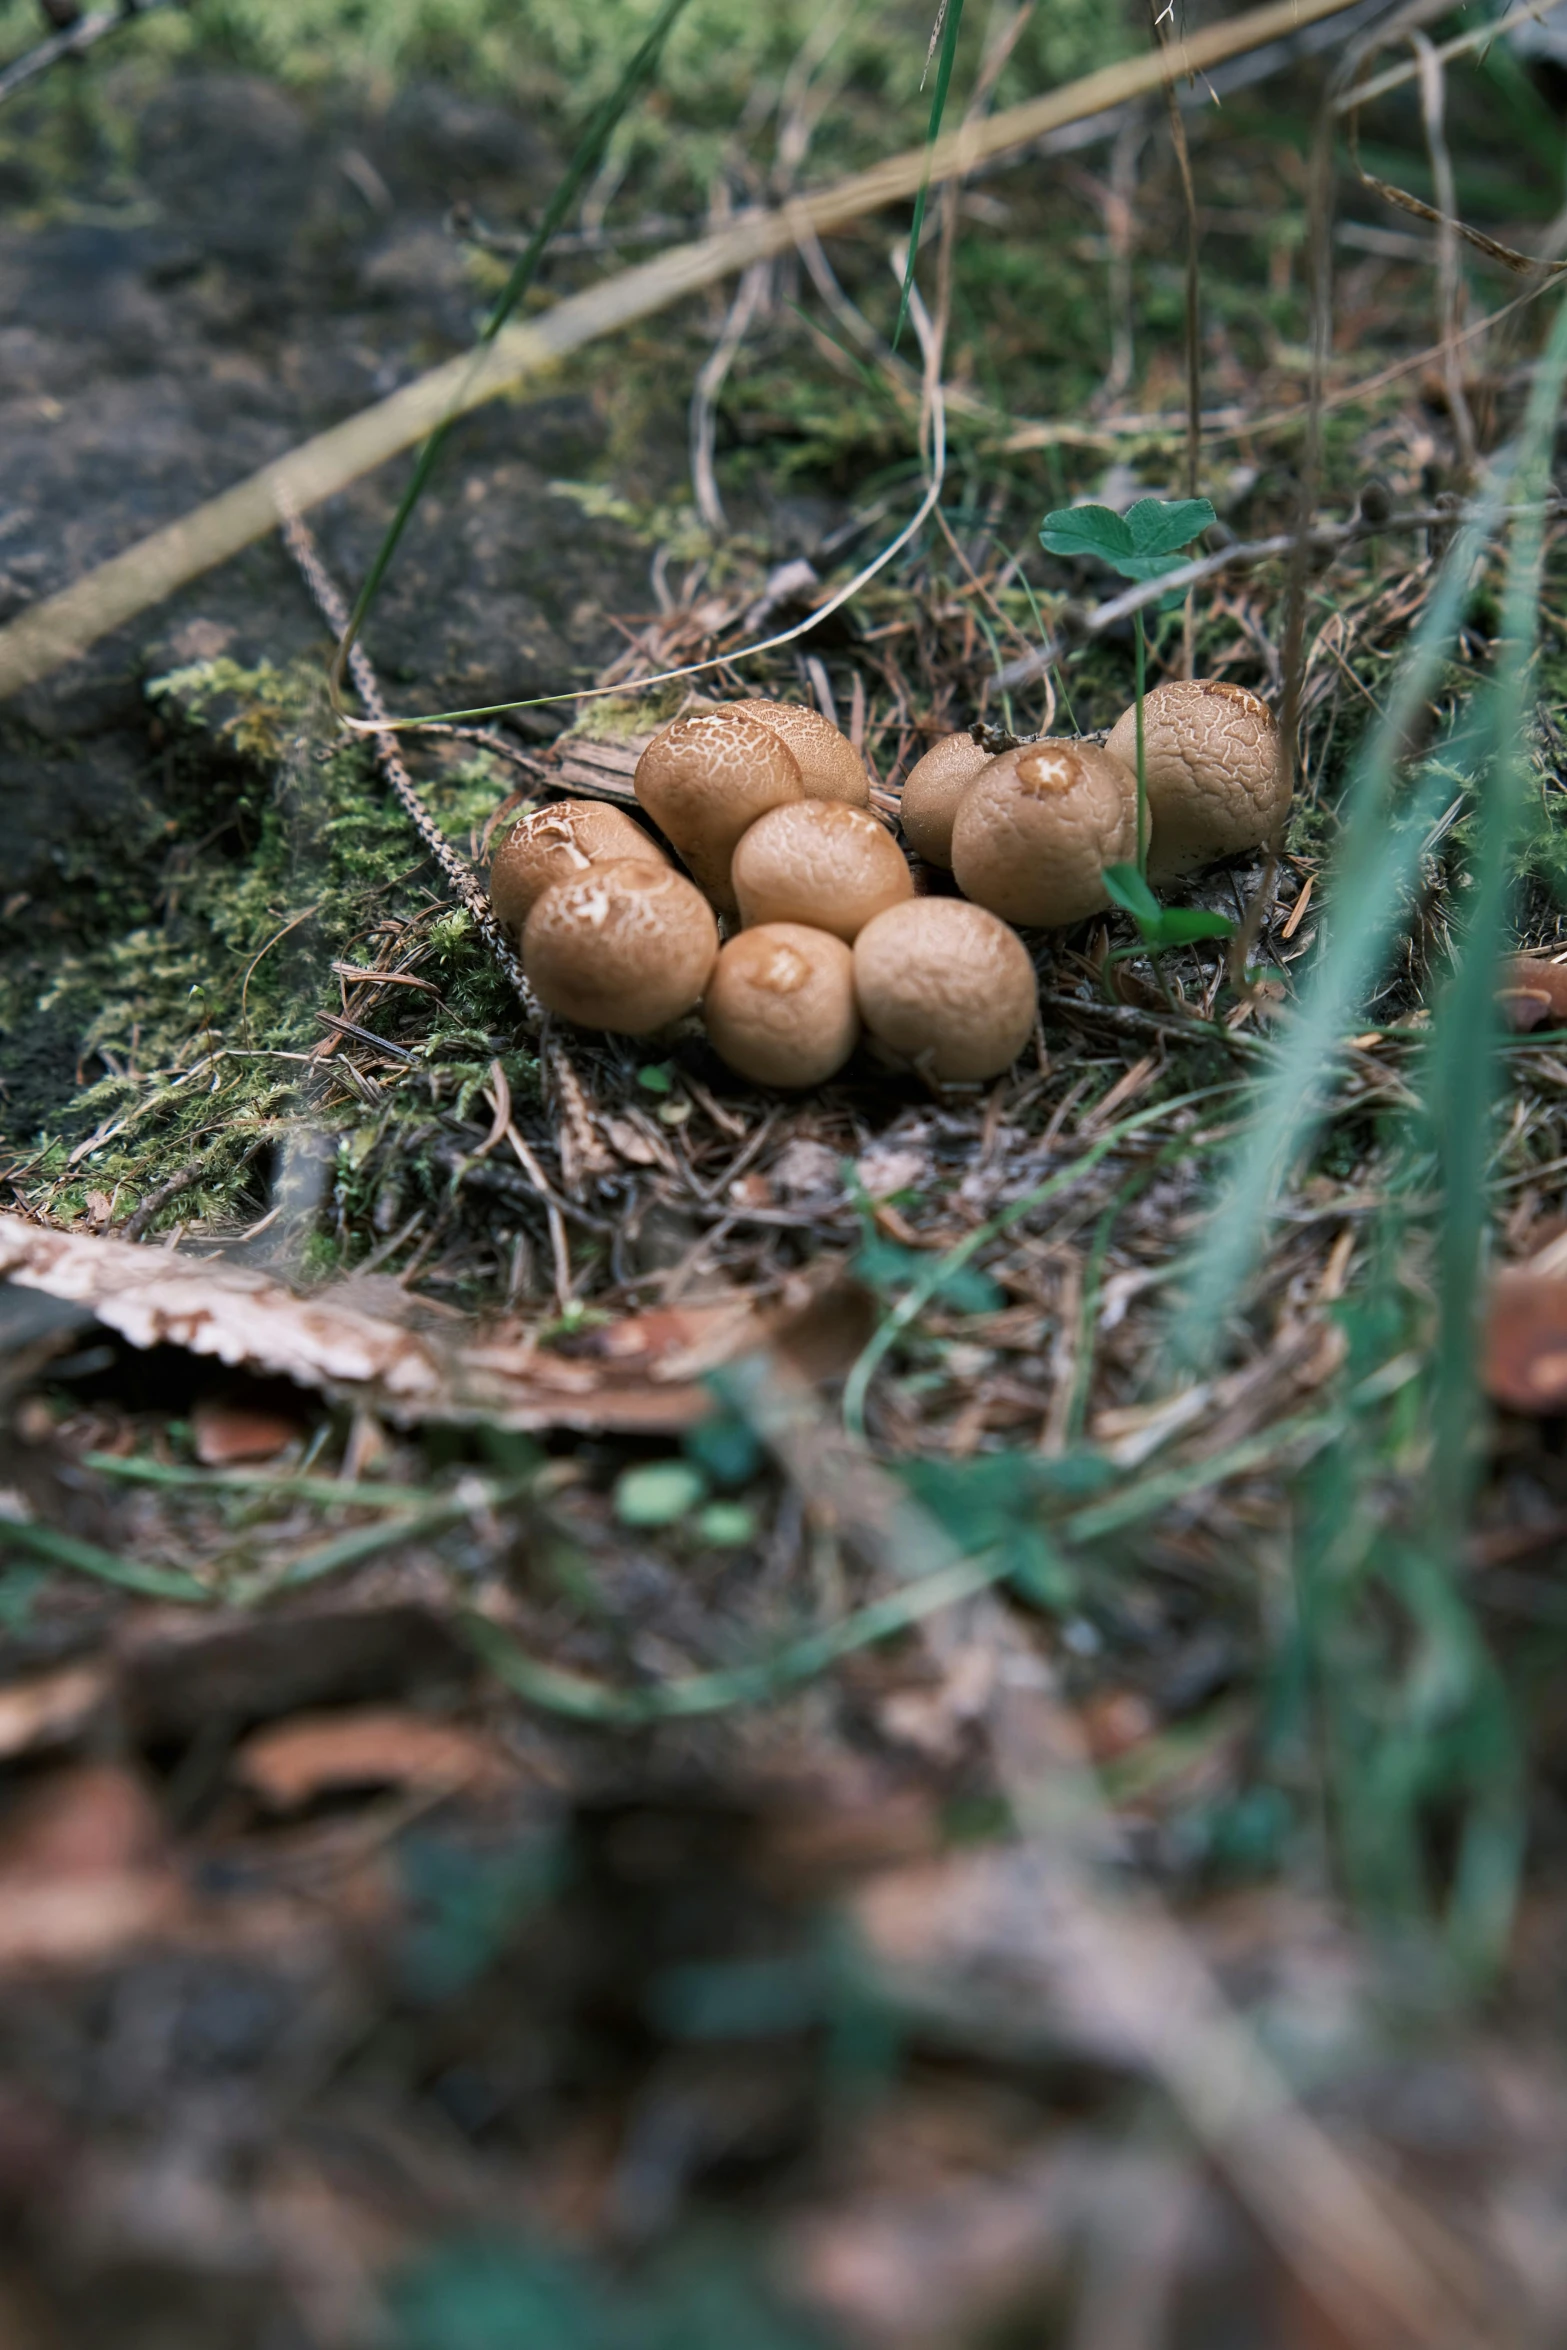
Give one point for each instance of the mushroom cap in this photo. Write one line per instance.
(830, 764)
(819, 863)
(946, 984)
(703, 779)
(1036, 828)
(627, 945)
(553, 844)
(780, 1005)
(1215, 770)
(932, 791)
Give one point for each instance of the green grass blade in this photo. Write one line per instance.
(588, 155)
(1466, 1032)
(938, 107)
(59, 1549)
(1376, 859)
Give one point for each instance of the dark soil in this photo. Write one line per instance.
(270, 271)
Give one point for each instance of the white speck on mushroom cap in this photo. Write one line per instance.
(705, 778)
(626, 946)
(780, 1005)
(1213, 760)
(820, 863)
(1036, 828)
(931, 792)
(946, 984)
(830, 766)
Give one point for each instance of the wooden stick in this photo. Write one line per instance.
(55, 631)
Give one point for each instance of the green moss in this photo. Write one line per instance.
(284, 855)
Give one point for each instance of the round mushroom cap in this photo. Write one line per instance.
(1215, 771)
(829, 763)
(780, 1005)
(819, 863)
(705, 778)
(1036, 828)
(946, 985)
(932, 791)
(627, 946)
(553, 844)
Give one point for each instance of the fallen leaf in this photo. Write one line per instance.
(291, 1764)
(51, 1709)
(83, 1875)
(1114, 1721)
(1523, 1355)
(224, 1433)
(643, 1375)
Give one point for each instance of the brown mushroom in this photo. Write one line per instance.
(830, 765)
(819, 863)
(1215, 771)
(946, 986)
(705, 778)
(1036, 828)
(553, 844)
(931, 794)
(627, 946)
(780, 1004)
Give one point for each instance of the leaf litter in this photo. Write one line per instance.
(609, 1870)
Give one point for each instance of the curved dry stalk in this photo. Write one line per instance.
(461, 879)
(750, 297)
(55, 631)
(74, 41)
(1450, 289)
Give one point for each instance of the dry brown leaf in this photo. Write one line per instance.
(51, 1709)
(1523, 1355)
(83, 1877)
(641, 1374)
(224, 1433)
(292, 1763)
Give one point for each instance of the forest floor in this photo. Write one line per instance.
(742, 1754)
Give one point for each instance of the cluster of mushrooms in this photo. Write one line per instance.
(832, 934)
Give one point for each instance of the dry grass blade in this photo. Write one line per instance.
(55, 631)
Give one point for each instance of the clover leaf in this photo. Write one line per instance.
(1143, 543)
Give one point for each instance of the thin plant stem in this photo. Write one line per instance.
(1142, 776)
(584, 163)
(938, 107)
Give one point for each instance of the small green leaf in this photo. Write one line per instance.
(1162, 526)
(659, 1493)
(1128, 889)
(657, 1077)
(1179, 925)
(726, 1525)
(887, 1266)
(1087, 530)
(1140, 544)
(725, 1447)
